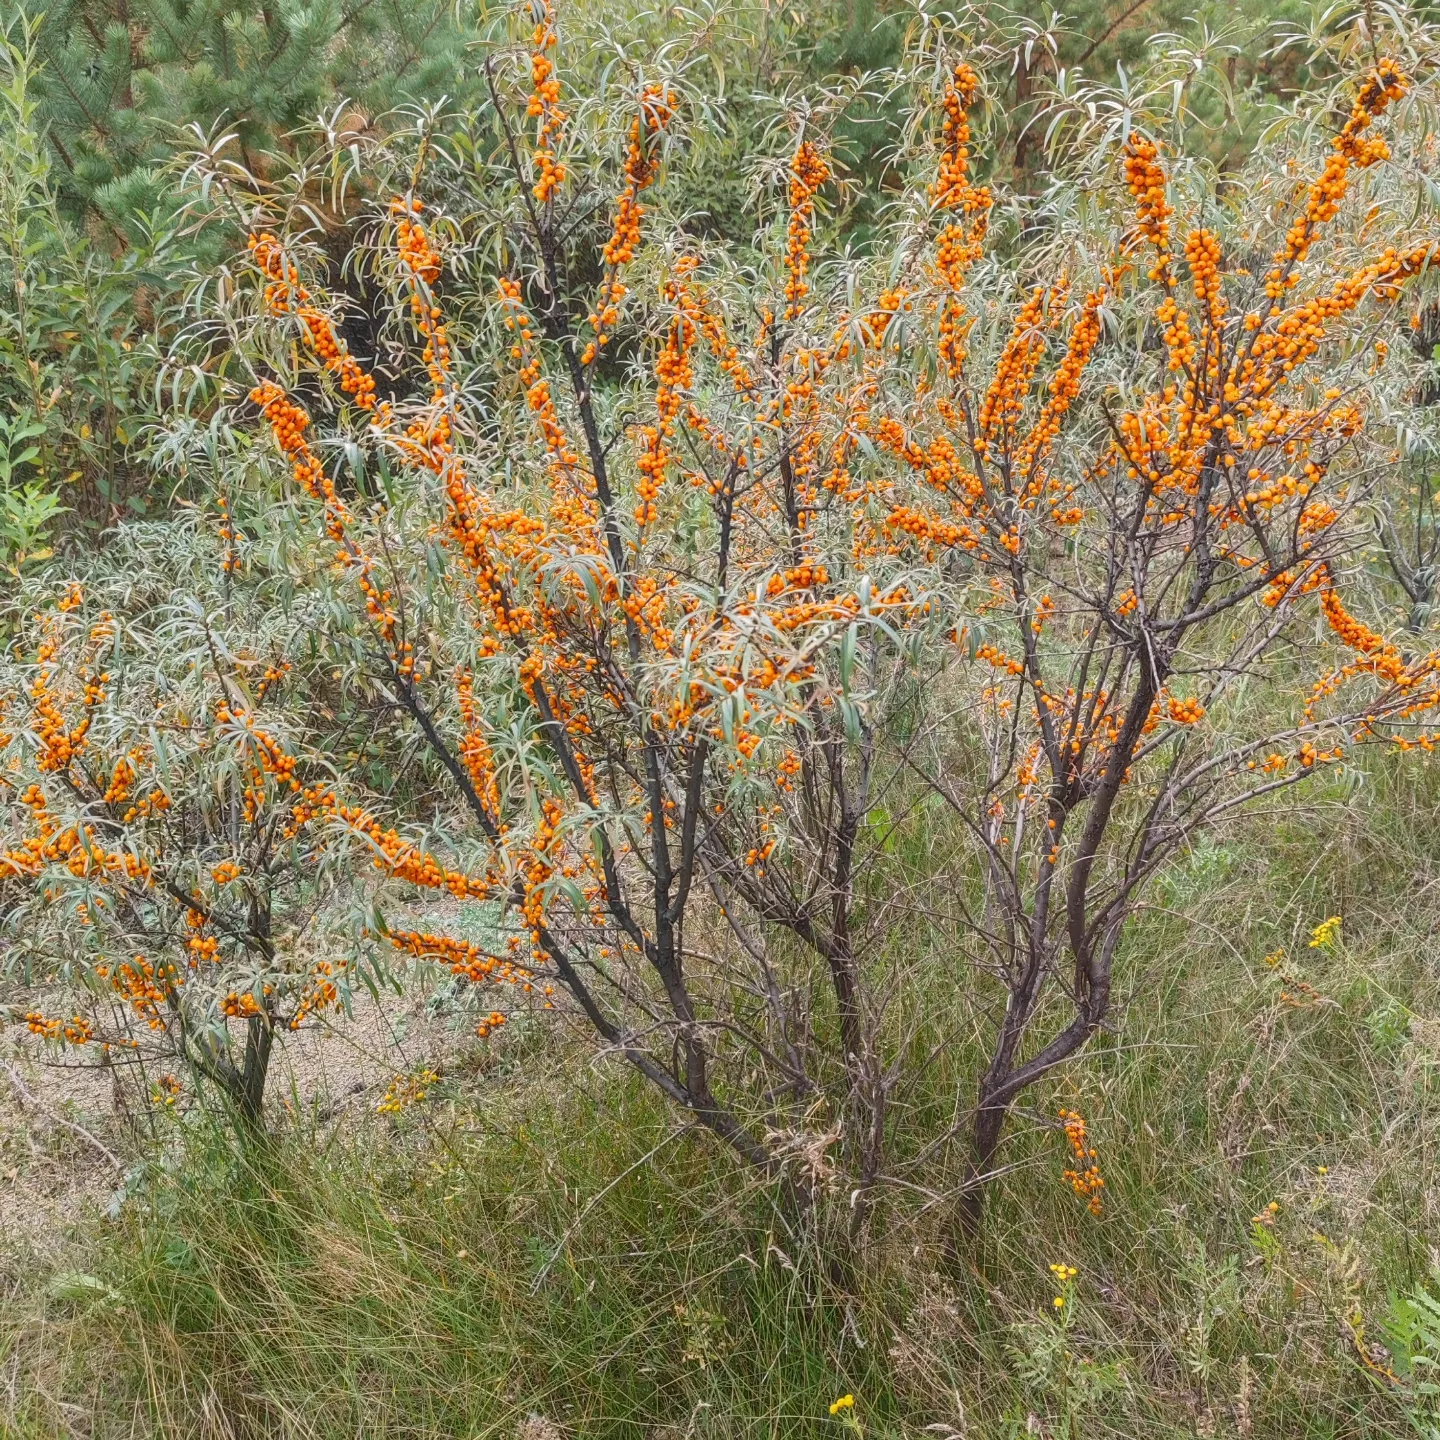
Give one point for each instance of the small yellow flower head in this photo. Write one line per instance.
(1323, 935)
(1063, 1272)
(845, 1402)
(1058, 1302)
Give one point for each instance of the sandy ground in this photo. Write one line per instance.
(68, 1132)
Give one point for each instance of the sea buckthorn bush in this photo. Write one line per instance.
(698, 601)
(753, 610)
(643, 657)
(159, 884)
(1155, 492)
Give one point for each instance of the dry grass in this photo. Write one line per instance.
(505, 1260)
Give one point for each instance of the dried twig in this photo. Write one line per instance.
(28, 1097)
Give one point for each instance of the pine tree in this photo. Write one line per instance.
(123, 78)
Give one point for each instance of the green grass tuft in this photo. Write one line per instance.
(542, 1236)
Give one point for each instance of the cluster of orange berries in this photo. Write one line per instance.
(1310, 754)
(283, 279)
(145, 985)
(427, 438)
(1354, 633)
(288, 422)
(1272, 764)
(1185, 712)
(1044, 609)
(1005, 398)
(1202, 254)
(274, 759)
(953, 256)
(466, 960)
(395, 855)
(202, 947)
(472, 534)
(1286, 585)
(76, 849)
(1175, 331)
(798, 577)
(474, 748)
(960, 243)
(241, 1007)
(930, 530)
(381, 612)
(1374, 655)
(1064, 385)
(843, 607)
(1427, 742)
(61, 744)
(1083, 1177)
(544, 106)
(656, 111)
(788, 769)
(938, 461)
(1381, 658)
(1001, 661)
(1296, 336)
(888, 304)
(692, 301)
(75, 1031)
(537, 870)
(355, 381)
(1145, 177)
(1265, 493)
(951, 185)
(319, 992)
(674, 374)
(808, 172)
(1350, 149)
(122, 777)
(537, 388)
(283, 295)
(412, 242)
(272, 677)
(1318, 516)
